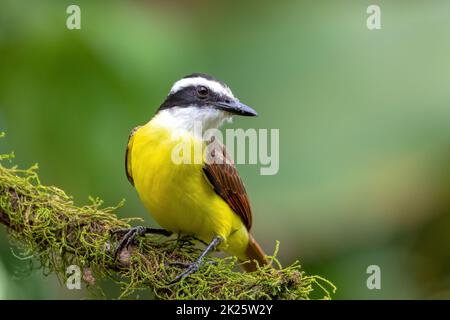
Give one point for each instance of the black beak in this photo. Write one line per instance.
(235, 107)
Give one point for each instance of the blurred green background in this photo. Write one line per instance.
(364, 119)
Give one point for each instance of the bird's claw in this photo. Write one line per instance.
(128, 238)
(196, 265)
(191, 268)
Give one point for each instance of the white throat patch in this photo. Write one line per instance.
(187, 118)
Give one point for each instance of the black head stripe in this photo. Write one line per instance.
(182, 98)
(186, 97)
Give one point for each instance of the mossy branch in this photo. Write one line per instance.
(44, 222)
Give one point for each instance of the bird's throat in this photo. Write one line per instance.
(194, 120)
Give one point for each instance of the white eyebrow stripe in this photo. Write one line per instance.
(199, 81)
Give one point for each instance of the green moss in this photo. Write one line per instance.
(44, 222)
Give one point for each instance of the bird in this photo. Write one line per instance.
(205, 199)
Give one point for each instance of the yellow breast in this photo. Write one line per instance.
(178, 195)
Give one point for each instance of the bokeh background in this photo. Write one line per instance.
(364, 119)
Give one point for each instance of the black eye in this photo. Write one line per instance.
(202, 91)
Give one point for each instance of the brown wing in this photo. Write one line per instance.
(225, 180)
(128, 171)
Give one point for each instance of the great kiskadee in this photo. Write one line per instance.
(206, 200)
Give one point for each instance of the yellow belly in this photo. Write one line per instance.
(179, 196)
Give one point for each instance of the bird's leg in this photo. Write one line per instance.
(191, 268)
(132, 233)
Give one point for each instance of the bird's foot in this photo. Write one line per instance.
(193, 267)
(190, 269)
(130, 235)
(128, 238)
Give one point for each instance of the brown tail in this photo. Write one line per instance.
(254, 252)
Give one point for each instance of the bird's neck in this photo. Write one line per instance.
(193, 120)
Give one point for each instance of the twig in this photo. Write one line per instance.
(44, 222)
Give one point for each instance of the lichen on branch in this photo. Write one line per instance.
(46, 225)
